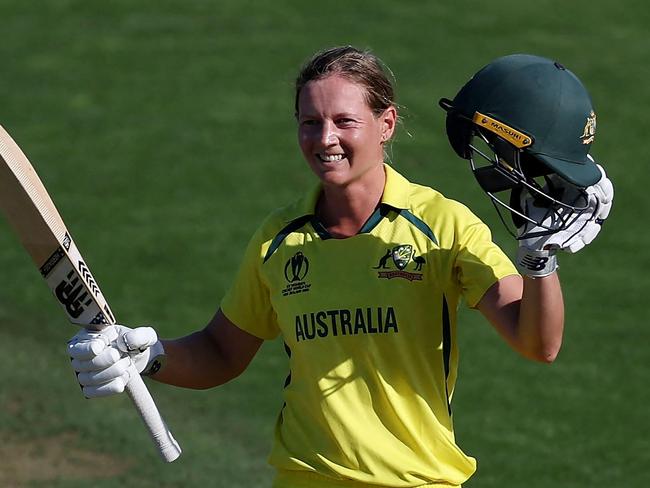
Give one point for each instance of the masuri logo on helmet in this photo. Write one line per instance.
(513, 136)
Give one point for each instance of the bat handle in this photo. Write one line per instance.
(167, 446)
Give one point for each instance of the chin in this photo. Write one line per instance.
(343, 175)
(333, 175)
(333, 178)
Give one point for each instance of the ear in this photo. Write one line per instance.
(388, 120)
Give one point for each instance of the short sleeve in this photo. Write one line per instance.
(480, 262)
(247, 303)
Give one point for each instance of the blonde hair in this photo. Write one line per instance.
(360, 67)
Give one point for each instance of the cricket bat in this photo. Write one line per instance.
(31, 212)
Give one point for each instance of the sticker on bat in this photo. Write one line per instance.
(67, 240)
(52, 261)
(73, 295)
(88, 278)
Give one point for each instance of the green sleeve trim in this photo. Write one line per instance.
(420, 224)
(292, 226)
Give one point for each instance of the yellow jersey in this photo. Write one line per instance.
(369, 326)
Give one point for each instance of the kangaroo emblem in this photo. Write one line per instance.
(384, 259)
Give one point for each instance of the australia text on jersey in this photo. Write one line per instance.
(343, 322)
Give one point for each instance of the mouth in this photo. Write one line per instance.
(330, 158)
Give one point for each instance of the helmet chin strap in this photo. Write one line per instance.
(501, 175)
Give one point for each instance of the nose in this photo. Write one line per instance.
(328, 134)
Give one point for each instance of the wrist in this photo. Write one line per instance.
(536, 263)
(156, 359)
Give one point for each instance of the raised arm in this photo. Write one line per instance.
(528, 313)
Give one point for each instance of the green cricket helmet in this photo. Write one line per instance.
(536, 119)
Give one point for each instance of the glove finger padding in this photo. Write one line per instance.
(106, 358)
(114, 387)
(604, 192)
(87, 344)
(601, 196)
(106, 375)
(585, 237)
(561, 227)
(137, 340)
(144, 348)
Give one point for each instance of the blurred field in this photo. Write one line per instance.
(165, 133)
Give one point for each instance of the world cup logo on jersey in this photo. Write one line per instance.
(295, 271)
(296, 268)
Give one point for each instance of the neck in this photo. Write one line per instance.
(344, 210)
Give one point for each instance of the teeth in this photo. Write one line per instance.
(330, 157)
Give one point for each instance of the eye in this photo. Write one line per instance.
(308, 122)
(344, 122)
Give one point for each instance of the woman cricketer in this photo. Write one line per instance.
(362, 278)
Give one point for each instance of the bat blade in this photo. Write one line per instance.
(31, 212)
(26, 204)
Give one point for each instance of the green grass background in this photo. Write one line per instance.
(164, 132)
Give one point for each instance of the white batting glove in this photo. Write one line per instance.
(537, 253)
(105, 361)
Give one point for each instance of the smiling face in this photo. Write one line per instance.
(339, 135)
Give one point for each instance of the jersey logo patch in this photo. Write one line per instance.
(296, 268)
(400, 257)
(295, 271)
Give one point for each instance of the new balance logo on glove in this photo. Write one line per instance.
(534, 263)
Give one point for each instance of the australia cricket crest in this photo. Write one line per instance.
(398, 258)
(402, 255)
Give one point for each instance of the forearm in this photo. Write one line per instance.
(194, 361)
(540, 323)
(528, 313)
(210, 357)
